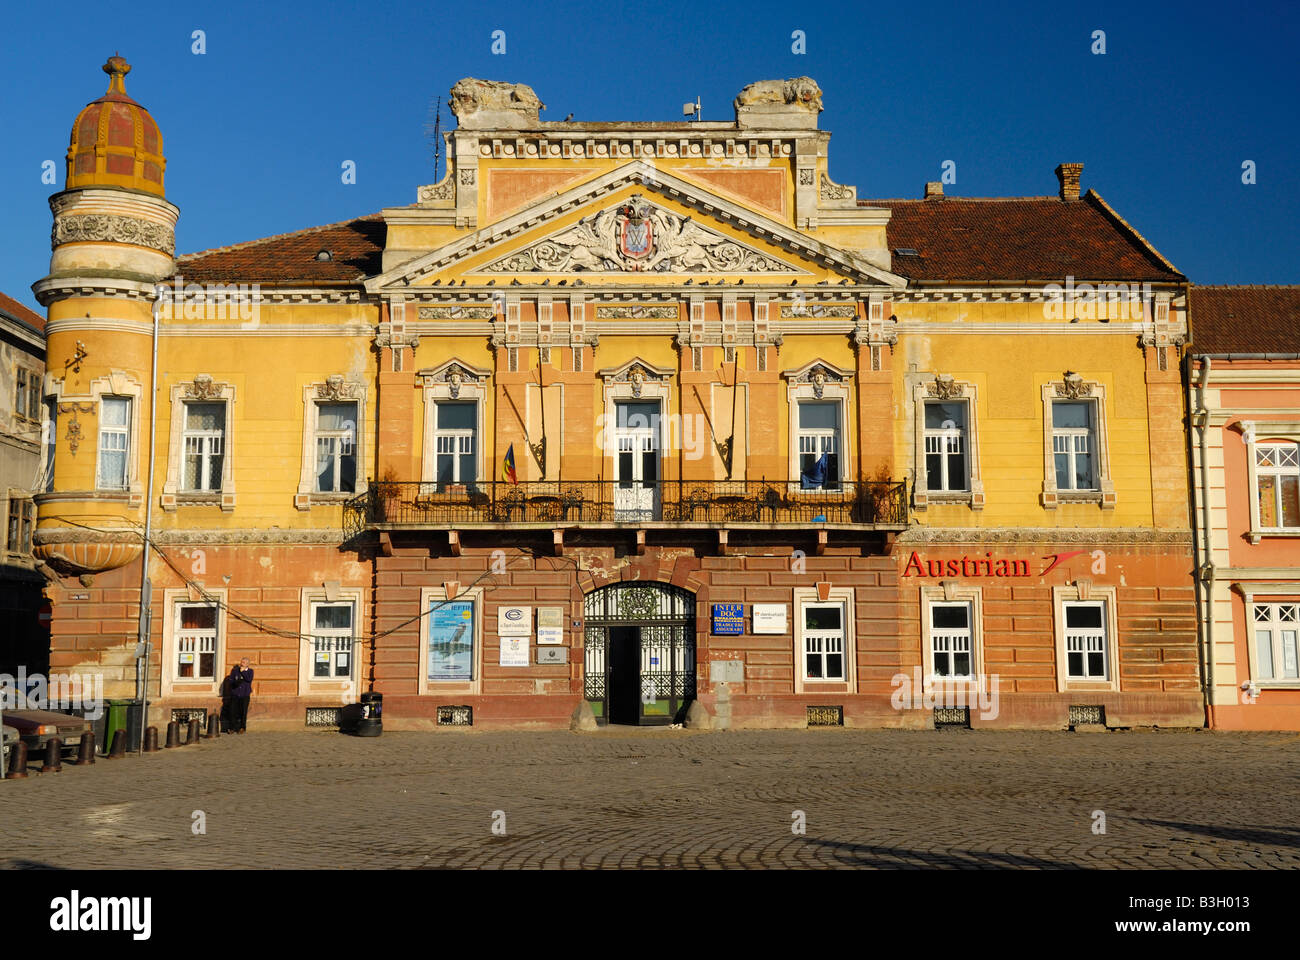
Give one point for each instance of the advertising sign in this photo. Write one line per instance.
(514, 621)
(514, 651)
(770, 618)
(728, 619)
(451, 640)
(550, 625)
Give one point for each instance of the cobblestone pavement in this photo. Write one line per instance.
(660, 798)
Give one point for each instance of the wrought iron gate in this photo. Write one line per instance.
(660, 620)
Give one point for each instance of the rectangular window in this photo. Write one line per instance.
(1085, 640)
(33, 395)
(114, 442)
(22, 518)
(331, 641)
(951, 640)
(823, 641)
(1074, 444)
(819, 444)
(1277, 479)
(1277, 626)
(196, 641)
(946, 445)
(336, 454)
(455, 440)
(20, 393)
(204, 444)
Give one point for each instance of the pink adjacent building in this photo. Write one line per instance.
(1244, 397)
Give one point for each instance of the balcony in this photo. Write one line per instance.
(605, 503)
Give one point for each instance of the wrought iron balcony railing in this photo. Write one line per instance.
(586, 502)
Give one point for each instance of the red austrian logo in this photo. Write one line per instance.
(985, 566)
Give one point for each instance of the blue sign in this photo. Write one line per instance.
(728, 619)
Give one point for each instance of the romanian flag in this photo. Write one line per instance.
(508, 466)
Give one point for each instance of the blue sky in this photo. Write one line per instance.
(256, 129)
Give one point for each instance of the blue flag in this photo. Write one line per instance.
(815, 476)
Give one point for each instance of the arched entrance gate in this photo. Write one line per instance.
(640, 652)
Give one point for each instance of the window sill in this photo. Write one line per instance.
(1280, 533)
(1277, 684)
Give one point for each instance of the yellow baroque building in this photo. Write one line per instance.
(628, 422)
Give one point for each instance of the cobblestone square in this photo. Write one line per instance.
(671, 799)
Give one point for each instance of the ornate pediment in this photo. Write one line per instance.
(638, 236)
(203, 387)
(817, 375)
(336, 388)
(1073, 387)
(635, 372)
(944, 387)
(454, 375)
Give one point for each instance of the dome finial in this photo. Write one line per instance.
(117, 69)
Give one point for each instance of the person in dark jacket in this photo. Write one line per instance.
(241, 691)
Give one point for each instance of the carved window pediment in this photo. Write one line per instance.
(1073, 387)
(944, 387)
(637, 373)
(203, 387)
(453, 375)
(817, 375)
(336, 388)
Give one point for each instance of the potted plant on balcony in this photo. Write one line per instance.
(388, 496)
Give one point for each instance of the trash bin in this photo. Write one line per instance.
(120, 715)
(371, 722)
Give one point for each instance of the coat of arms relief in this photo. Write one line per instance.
(638, 236)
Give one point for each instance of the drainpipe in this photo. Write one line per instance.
(1205, 569)
(146, 585)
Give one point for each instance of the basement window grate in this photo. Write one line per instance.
(1087, 714)
(183, 715)
(826, 716)
(324, 716)
(451, 716)
(951, 717)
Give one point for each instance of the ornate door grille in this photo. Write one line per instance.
(665, 618)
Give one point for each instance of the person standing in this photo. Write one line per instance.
(241, 691)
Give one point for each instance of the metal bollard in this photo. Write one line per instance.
(214, 727)
(118, 750)
(173, 734)
(196, 731)
(18, 762)
(151, 740)
(53, 756)
(86, 750)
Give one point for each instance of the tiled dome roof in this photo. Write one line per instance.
(114, 140)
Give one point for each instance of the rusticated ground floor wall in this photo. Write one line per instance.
(1015, 590)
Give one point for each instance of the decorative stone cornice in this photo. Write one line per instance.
(112, 228)
(958, 536)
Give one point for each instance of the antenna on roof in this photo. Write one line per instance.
(434, 131)
(692, 110)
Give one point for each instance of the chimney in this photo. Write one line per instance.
(934, 190)
(1069, 174)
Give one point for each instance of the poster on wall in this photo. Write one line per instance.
(514, 651)
(451, 640)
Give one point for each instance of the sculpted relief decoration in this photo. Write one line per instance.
(638, 236)
(112, 228)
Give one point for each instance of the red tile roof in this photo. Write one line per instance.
(15, 309)
(956, 240)
(1018, 238)
(1244, 319)
(355, 246)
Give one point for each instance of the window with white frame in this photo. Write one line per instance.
(1277, 627)
(823, 641)
(204, 446)
(195, 636)
(1277, 485)
(818, 436)
(455, 441)
(946, 446)
(336, 454)
(332, 638)
(1074, 444)
(114, 442)
(1086, 643)
(952, 639)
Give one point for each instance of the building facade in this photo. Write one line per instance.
(644, 422)
(26, 639)
(1244, 391)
